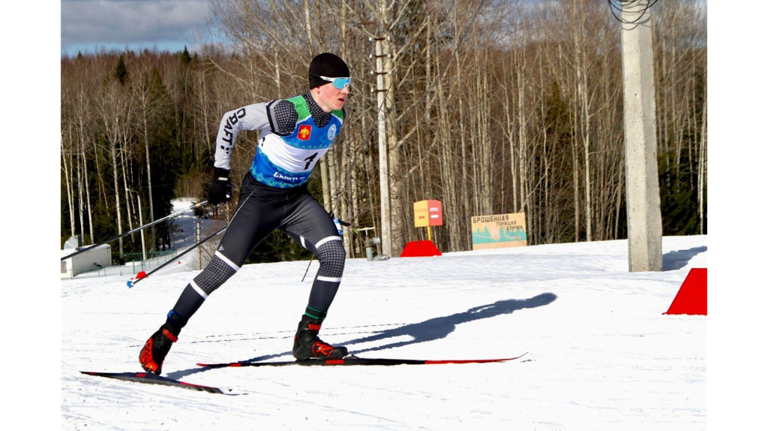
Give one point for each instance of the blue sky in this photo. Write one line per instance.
(90, 25)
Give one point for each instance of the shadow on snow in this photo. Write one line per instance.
(678, 259)
(423, 332)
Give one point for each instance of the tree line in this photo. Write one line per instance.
(490, 106)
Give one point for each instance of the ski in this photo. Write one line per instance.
(354, 360)
(153, 379)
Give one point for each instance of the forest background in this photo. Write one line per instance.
(492, 107)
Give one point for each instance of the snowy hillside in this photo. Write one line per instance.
(600, 352)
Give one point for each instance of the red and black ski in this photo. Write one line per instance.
(354, 360)
(153, 379)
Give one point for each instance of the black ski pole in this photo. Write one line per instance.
(305, 272)
(134, 231)
(142, 275)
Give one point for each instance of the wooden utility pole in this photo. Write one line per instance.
(381, 93)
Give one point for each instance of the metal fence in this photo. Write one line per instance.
(154, 259)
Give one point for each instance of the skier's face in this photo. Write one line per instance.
(329, 97)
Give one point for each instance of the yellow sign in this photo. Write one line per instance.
(421, 213)
(499, 231)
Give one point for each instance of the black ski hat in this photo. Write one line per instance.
(329, 65)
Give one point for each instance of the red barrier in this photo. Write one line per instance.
(692, 296)
(420, 249)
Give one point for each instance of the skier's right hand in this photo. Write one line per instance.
(220, 190)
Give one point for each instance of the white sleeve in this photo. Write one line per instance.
(251, 117)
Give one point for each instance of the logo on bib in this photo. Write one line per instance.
(332, 132)
(305, 131)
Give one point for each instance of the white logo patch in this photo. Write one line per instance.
(332, 132)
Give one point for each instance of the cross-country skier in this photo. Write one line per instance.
(295, 134)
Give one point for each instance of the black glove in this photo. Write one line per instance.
(220, 190)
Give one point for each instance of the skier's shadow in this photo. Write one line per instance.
(679, 258)
(441, 327)
(426, 331)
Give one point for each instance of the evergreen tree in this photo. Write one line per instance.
(679, 203)
(165, 163)
(121, 70)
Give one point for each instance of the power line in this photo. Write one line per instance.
(617, 6)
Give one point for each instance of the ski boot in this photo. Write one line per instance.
(307, 345)
(159, 344)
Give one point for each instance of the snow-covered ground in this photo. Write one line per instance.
(601, 355)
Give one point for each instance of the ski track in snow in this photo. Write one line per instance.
(601, 354)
